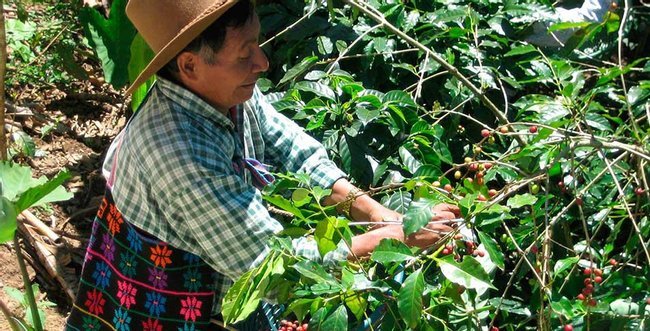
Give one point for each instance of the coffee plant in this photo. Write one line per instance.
(545, 150)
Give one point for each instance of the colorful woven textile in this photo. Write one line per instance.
(126, 280)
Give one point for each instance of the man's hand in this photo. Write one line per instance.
(364, 244)
(432, 233)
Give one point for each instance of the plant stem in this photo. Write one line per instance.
(3, 67)
(8, 316)
(28, 286)
(377, 17)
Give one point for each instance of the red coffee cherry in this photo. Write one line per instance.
(587, 272)
(532, 129)
(485, 133)
(613, 262)
(598, 279)
(581, 297)
(568, 327)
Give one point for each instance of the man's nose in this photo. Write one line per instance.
(261, 63)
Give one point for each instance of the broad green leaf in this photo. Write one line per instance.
(319, 89)
(111, 38)
(519, 50)
(492, 249)
(418, 215)
(428, 171)
(317, 319)
(337, 321)
(398, 97)
(398, 201)
(468, 273)
(328, 234)
(141, 54)
(357, 303)
(521, 200)
(408, 160)
(15, 179)
(409, 299)
(315, 272)
(298, 69)
(50, 191)
(564, 307)
(7, 220)
(565, 264)
(284, 204)
(236, 297)
(567, 25)
(391, 250)
(300, 307)
(300, 197)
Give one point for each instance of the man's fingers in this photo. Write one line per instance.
(443, 215)
(445, 207)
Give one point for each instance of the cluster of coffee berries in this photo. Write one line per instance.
(462, 248)
(593, 275)
(293, 326)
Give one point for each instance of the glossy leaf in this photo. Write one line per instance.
(409, 299)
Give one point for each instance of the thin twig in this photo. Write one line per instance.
(304, 17)
(378, 17)
(345, 51)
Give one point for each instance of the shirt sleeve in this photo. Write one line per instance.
(226, 220)
(290, 147)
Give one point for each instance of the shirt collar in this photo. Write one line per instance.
(191, 102)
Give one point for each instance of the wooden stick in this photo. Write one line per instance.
(42, 228)
(48, 260)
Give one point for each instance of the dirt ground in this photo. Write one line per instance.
(85, 117)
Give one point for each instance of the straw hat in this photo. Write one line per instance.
(168, 26)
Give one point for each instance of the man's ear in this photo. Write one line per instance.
(186, 62)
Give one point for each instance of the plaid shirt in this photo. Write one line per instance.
(174, 178)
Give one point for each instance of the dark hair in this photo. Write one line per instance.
(211, 40)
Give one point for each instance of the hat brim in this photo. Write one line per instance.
(182, 39)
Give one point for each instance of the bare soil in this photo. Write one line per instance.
(85, 118)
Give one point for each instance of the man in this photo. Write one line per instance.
(182, 216)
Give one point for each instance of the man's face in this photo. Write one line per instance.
(230, 80)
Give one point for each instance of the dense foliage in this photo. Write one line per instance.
(551, 180)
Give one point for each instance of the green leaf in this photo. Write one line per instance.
(391, 250)
(236, 296)
(337, 321)
(398, 97)
(418, 215)
(328, 234)
(111, 38)
(300, 197)
(319, 89)
(315, 272)
(7, 220)
(492, 249)
(141, 54)
(317, 319)
(565, 264)
(50, 191)
(284, 204)
(567, 25)
(519, 50)
(521, 200)
(408, 160)
(409, 299)
(298, 69)
(468, 273)
(300, 307)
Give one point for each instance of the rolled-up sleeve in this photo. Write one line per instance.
(289, 146)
